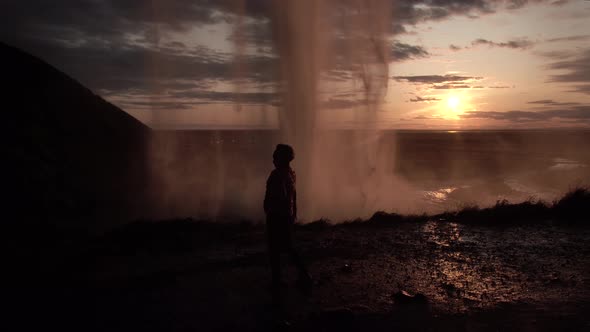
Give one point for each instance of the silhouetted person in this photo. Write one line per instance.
(280, 206)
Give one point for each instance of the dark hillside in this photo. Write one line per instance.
(70, 155)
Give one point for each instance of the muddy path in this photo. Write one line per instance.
(534, 277)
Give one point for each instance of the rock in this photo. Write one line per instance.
(404, 298)
(451, 290)
(346, 268)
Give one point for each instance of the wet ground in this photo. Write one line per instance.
(473, 277)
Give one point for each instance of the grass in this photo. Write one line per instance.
(182, 234)
(572, 208)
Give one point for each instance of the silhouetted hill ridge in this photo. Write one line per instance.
(70, 153)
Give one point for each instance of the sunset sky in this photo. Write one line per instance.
(454, 64)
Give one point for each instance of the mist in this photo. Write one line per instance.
(327, 84)
(221, 175)
(340, 174)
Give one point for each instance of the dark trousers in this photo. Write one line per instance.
(278, 231)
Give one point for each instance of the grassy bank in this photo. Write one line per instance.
(571, 209)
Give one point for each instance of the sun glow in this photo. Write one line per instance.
(454, 107)
(453, 102)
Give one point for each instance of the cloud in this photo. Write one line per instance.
(125, 47)
(581, 89)
(550, 102)
(450, 86)
(514, 44)
(425, 117)
(499, 87)
(543, 102)
(338, 103)
(129, 48)
(253, 32)
(419, 99)
(223, 96)
(409, 13)
(522, 44)
(158, 105)
(401, 51)
(432, 79)
(569, 38)
(455, 48)
(579, 113)
(574, 70)
(560, 2)
(440, 82)
(139, 68)
(107, 19)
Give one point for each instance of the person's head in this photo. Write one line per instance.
(283, 155)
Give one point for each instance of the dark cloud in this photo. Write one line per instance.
(499, 87)
(140, 68)
(441, 82)
(575, 70)
(450, 86)
(346, 95)
(120, 47)
(550, 102)
(417, 11)
(159, 105)
(522, 44)
(556, 54)
(124, 48)
(339, 75)
(237, 97)
(401, 51)
(256, 33)
(560, 2)
(432, 79)
(106, 19)
(175, 44)
(338, 103)
(570, 38)
(514, 44)
(581, 89)
(580, 113)
(412, 12)
(455, 47)
(542, 102)
(419, 99)
(427, 117)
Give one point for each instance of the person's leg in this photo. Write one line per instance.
(298, 262)
(296, 258)
(274, 252)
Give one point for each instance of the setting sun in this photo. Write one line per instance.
(453, 102)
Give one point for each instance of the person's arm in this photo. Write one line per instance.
(268, 194)
(294, 204)
(293, 188)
